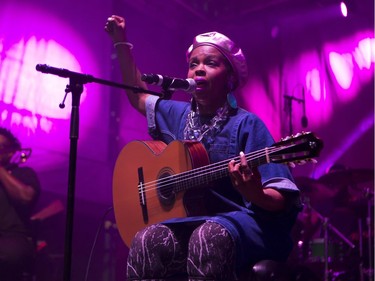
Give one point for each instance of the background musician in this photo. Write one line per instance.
(19, 191)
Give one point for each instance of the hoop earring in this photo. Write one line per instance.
(231, 99)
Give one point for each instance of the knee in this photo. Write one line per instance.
(211, 252)
(151, 240)
(152, 253)
(211, 238)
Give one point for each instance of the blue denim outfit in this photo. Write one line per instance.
(258, 234)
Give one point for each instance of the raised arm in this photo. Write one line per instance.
(115, 27)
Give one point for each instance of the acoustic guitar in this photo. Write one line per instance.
(150, 177)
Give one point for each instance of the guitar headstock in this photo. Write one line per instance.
(298, 148)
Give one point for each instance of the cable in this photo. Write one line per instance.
(94, 243)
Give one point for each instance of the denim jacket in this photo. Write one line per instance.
(243, 131)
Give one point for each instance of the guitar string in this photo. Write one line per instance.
(150, 198)
(208, 170)
(153, 200)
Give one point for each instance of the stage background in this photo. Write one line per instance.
(294, 48)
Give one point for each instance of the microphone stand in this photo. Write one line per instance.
(326, 227)
(370, 271)
(76, 88)
(76, 81)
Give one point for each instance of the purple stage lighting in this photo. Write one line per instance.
(344, 9)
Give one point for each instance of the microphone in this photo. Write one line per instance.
(62, 72)
(304, 120)
(170, 83)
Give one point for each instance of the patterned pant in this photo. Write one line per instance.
(204, 253)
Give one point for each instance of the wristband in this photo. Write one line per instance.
(130, 45)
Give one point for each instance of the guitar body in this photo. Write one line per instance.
(138, 199)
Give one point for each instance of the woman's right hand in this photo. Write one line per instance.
(115, 27)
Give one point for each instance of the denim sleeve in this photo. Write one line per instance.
(281, 184)
(150, 115)
(165, 118)
(286, 185)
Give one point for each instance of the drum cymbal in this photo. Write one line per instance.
(313, 188)
(348, 177)
(316, 194)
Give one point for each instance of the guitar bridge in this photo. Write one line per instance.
(142, 195)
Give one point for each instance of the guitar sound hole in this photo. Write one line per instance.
(165, 188)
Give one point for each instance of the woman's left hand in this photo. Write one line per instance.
(242, 176)
(248, 182)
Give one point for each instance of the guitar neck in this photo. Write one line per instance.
(206, 175)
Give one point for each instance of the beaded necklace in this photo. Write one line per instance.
(194, 130)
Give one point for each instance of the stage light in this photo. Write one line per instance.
(344, 9)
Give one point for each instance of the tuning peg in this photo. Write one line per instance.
(291, 165)
(301, 162)
(312, 160)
